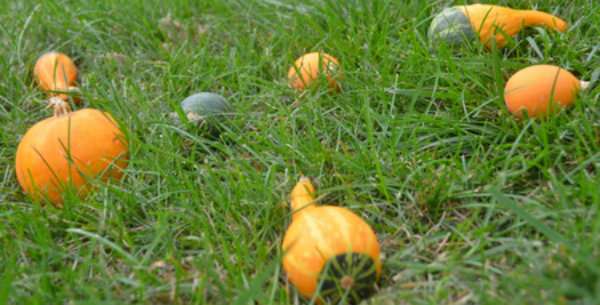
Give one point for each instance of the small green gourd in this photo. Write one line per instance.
(204, 108)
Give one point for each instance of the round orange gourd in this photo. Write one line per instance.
(309, 68)
(56, 74)
(329, 252)
(65, 150)
(540, 90)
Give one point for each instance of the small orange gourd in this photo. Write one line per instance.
(64, 151)
(310, 67)
(56, 74)
(540, 90)
(330, 253)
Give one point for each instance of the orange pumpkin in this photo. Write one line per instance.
(540, 90)
(329, 252)
(308, 68)
(64, 151)
(56, 74)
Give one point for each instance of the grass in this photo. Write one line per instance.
(471, 206)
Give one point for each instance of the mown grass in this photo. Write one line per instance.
(471, 205)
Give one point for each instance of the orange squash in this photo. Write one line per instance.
(490, 23)
(64, 151)
(310, 67)
(540, 90)
(330, 253)
(56, 74)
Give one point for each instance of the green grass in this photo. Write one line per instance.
(471, 205)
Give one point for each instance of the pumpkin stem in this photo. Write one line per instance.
(60, 106)
(302, 195)
(537, 18)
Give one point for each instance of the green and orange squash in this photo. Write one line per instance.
(330, 253)
(492, 24)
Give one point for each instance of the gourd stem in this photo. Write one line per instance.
(537, 18)
(302, 196)
(194, 117)
(60, 106)
(584, 85)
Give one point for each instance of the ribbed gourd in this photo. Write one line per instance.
(308, 68)
(492, 24)
(330, 253)
(65, 151)
(540, 90)
(56, 74)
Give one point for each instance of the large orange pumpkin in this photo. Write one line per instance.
(330, 253)
(56, 74)
(66, 150)
(310, 67)
(540, 90)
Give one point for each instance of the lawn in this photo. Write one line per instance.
(471, 206)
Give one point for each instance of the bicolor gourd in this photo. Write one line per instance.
(308, 68)
(330, 253)
(541, 89)
(490, 23)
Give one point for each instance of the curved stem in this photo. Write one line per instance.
(59, 106)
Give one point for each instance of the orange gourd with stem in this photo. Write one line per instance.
(330, 253)
(540, 90)
(308, 68)
(56, 74)
(64, 152)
